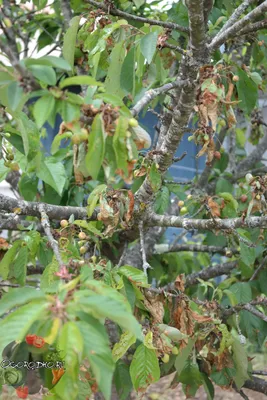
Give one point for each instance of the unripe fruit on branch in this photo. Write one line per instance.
(206, 138)
(258, 197)
(175, 351)
(82, 235)
(166, 358)
(133, 122)
(190, 138)
(83, 250)
(228, 253)
(235, 78)
(93, 258)
(189, 197)
(243, 198)
(64, 223)
(222, 122)
(183, 210)
(180, 203)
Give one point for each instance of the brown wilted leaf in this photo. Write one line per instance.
(180, 282)
(182, 318)
(155, 306)
(223, 360)
(200, 318)
(3, 244)
(214, 207)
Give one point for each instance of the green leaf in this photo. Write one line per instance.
(57, 62)
(57, 140)
(127, 78)
(208, 386)
(223, 186)
(49, 281)
(69, 42)
(69, 111)
(70, 343)
(108, 307)
(97, 350)
(242, 292)
(79, 80)
(20, 265)
(148, 45)
(28, 186)
(256, 78)
(89, 226)
(8, 259)
(247, 92)
(247, 254)
(30, 135)
(119, 144)
(120, 348)
(5, 77)
(134, 275)
(19, 296)
(14, 95)
(44, 74)
(96, 147)
(53, 173)
(112, 82)
(93, 199)
(173, 333)
(154, 178)
(110, 98)
(17, 324)
(144, 368)
(241, 363)
(42, 109)
(162, 200)
(122, 380)
(183, 356)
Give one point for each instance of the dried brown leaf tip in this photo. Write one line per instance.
(180, 282)
(215, 91)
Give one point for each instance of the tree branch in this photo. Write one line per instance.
(205, 224)
(210, 272)
(253, 27)
(166, 248)
(260, 267)
(234, 30)
(31, 208)
(152, 93)
(66, 11)
(254, 157)
(114, 11)
(256, 384)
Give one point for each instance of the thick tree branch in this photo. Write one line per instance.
(257, 26)
(234, 30)
(248, 307)
(114, 11)
(31, 208)
(256, 384)
(205, 224)
(166, 248)
(152, 93)
(210, 272)
(66, 11)
(14, 61)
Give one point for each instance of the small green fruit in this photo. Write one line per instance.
(133, 122)
(83, 250)
(175, 351)
(189, 197)
(93, 258)
(7, 135)
(166, 358)
(64, 223)
(183, 210)
(180, 203)
(82, 235)
(190, 138)
(206, 138)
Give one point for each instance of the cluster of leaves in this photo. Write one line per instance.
(120, 63)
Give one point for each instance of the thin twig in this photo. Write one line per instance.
(146, 265)
(260, 267)
(114, 11)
